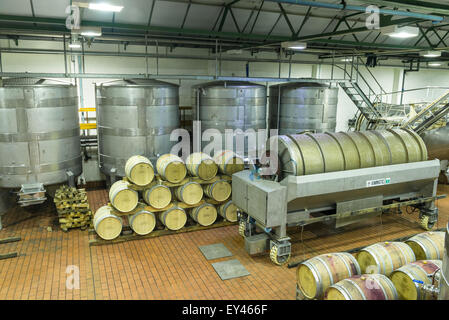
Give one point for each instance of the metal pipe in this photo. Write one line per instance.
(361, 9)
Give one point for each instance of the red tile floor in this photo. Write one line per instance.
(167, 267)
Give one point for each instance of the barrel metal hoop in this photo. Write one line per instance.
(345, 292)
(357, 287)
(389, 258)
(411, 253)
(379, 285)
(316, 277)
(342, 258)
(422, 246)
(432, 243)
(380, 265)
(327, 269)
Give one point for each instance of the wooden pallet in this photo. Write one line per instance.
(95, 240)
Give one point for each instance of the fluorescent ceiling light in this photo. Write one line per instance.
(90, 31)
(400, 32)
(346, 59)
(105, 7)
(434, 64)
(430, 54)
(236, 52)
(294, 45)
(74, 45)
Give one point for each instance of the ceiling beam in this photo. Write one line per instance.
(426, 6)
(345, 6)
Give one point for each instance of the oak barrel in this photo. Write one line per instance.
(174, 218)
(106, 224)
(315, 275)
(228, 210)
(201, 165)
(122, 197)
(158, 196)
(427, 245)
(142, 222)
(385, 257)
(171, 168)
(189, 193)
(205, 214)
(229, 162)
(139, 170)
(422, 270)
(219, 190)
(363, 287)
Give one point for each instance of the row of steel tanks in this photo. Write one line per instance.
(40, 136)
(40, 133)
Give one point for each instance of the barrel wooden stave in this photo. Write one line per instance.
(158, 196)
(106, 224)
(139, 170)
(315, 275)
(363, 287)
(122, 197)
(384, 257)
(422, 270)
(171, 168)
(427, 245)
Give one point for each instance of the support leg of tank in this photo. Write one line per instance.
(113, 175)
(70, 178)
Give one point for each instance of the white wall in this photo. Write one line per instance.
(49, 63)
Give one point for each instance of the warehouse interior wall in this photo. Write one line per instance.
(390, 78)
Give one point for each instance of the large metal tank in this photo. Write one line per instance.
(135, 117)
(230, 105)
(437, 142)
(303, 106)
(39, 132)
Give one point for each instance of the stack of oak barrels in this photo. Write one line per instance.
(407, 270)
(199, 188)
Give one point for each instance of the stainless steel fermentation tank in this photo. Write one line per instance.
(345, 176)
(134, 117)
(437, 142)
(231, 105)
(303, 106)
(39, 135)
